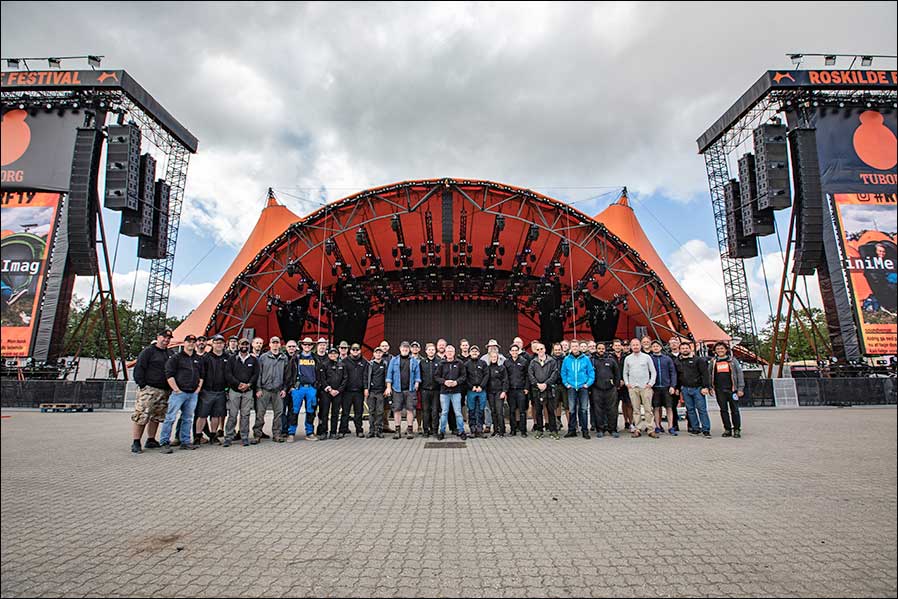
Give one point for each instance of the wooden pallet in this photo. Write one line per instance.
(66, 407)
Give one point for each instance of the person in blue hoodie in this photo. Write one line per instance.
(577, 375)
(663, 390)
(403, 379)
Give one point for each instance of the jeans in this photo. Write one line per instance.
(578, 409)
(186, 403)
(303, 395)
(476, 404)
(453, 399)
(696, 409)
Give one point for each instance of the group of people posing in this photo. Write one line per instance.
(211, 386)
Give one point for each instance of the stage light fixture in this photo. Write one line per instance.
(94, 61)
(866, 61)
(12, 63)
(829, 60)
(796, 59)
(54, 63)
(48, 106)
(21, 106)
(601, 268)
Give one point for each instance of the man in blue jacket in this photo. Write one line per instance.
(577, 375)
(403, 379)
(663, 390)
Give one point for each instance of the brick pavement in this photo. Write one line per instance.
(804, 504)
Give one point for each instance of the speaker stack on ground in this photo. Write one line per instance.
(808, 201)
(82, 202)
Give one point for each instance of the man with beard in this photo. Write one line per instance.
(242, 373)
(152, 391)
(354, 395)
(374, 393)
(430, 393)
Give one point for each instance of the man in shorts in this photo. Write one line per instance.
(403, 379)
(152, 391)
(213, 398)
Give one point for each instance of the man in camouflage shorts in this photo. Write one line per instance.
(153, 391)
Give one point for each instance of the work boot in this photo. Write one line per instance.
(409, 433)
(397, 434)
(570, 435)
(737, 433)
(166, 448)
(586, 434)
(151, 444)
(135, 446)
(226, 443)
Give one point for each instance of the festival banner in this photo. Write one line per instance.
(37, 149)
(868, 225)
(28, 221)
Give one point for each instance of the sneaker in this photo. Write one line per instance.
(379, 435)
(254, 441)
(360, 434)
(570, 435)
(188, 446)
(695, 432)
(463, 436)
(264, 436)
(291, 439)
(176, 442)
(616, 435)
(727, 434)
(409, 434)
(151, 444)
(226, 443)
(215, 440)
(538, 434)
(635, 433)
(245, 442)
(673, 432)
(199, 440)
(737, 433)
(166, 448)
(514, 433)
(599, 434)
(706, 435)
(586, 435)
(653, 435)
(658, 429)
(371, 435)
(440, 436)
(135, 446)
(523, 433)
(397, 435)
(427, 434)
(556, 436)
(311, 437)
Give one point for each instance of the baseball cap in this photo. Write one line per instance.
(233, 338)
(404, 344)
(218, 338)
(307, 341)
(415, 344)
(164, 333)
(190, 338)
(473, 347)
(333, 350)
(378, 349)
(201, 338)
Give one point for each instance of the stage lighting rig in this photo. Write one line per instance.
(494, 250)
(402, 254)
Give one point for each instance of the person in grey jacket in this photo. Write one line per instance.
(270, 390)
(727, 385)
(639, 376)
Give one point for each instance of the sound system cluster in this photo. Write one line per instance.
(808, 201)
(762, 188)
(133, 190)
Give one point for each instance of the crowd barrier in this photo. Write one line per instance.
(759, 393)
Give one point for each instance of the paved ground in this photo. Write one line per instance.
(804, 504)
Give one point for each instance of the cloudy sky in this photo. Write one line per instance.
(573, 100)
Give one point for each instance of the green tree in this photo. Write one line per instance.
(799, 345)
(91, 336)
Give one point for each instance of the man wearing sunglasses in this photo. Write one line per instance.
(242, 373)
(302, 377)
(271, 390)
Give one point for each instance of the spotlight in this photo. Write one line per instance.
(12, 63)
(796, 59)
(601, 268)
(866, 61)
(48, 106)
(94, 61)
(829, 60)
(54, 63)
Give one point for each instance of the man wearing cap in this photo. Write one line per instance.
(430, 392)
(233, 346)
(302, 378)
(271, 391)
(419, 411)
(403, 379)
(516, 366)
(152, 391)
(375, 386)
(291, 347)
(201, 347)
(242, 373)
(321, 361)
(184, 373)
(388, 401)
(354, 395)
(577, 375)
(333, 382)
(476, 373)
(213, 397)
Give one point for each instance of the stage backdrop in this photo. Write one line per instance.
(28, 223)
(425, 321)
(858, 151)
(38, 147)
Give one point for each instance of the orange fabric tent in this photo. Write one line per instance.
(273, 221)
(621, 220)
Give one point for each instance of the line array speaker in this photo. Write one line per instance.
(772, 167)
(123, 167)
(808, 201)
(140, 221)
(82, 201)
(738, 244)
(156, 246)
(754, 221)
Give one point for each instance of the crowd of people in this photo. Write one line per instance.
(207, 389)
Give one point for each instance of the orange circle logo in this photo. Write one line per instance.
(15, 136)
(874, 143)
